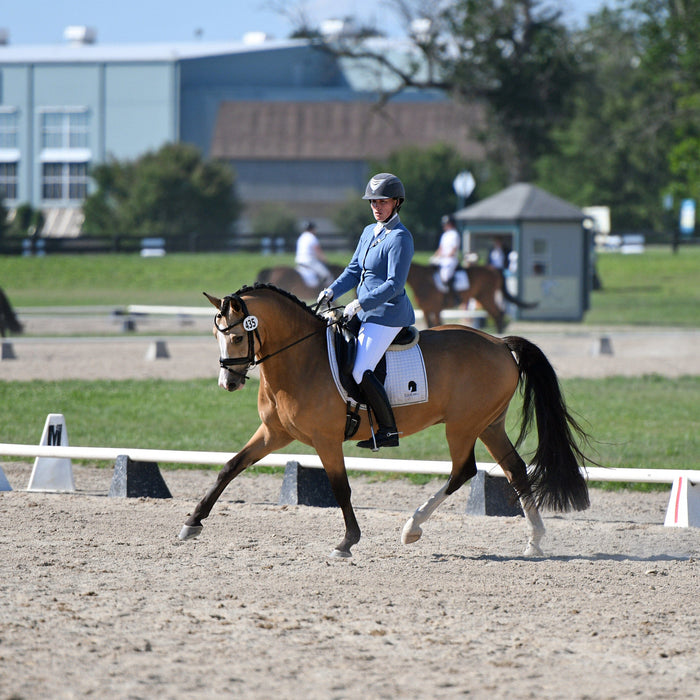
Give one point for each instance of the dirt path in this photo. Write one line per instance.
(100, 599)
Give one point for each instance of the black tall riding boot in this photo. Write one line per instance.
(386, 434)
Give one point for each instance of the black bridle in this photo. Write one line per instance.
(250, 325)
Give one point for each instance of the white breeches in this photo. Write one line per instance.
(372, 342)
(447, 269)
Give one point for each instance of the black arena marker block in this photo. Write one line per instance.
(492, 495)
(306, 486)
(137, 479)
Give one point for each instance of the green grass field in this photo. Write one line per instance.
(647, 422)
(656, 288)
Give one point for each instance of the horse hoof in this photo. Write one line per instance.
(411, 533)
(189, 532)
(533, 550)
(340, 554)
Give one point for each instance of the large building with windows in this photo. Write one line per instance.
(273, 109)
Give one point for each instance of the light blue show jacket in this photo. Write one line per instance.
(379, 269)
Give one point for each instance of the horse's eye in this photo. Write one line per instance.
(237, 339)
(218, 316)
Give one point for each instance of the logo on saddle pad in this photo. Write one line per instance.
(406, 380)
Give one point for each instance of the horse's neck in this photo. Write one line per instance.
(284, 324)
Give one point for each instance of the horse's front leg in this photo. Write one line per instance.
(259, 446)
(334, 463)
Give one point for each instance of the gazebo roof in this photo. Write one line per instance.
(521, 202)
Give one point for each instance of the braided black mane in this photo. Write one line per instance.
(260, 285)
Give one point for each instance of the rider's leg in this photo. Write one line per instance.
(386, 434)
(372, 342)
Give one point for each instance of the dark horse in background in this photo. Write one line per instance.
(8, 319)
(290, 280)
(486, 285)
(472, 377)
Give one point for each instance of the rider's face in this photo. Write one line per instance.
(382, 208)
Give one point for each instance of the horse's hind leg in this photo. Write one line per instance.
(463, 469)
(502, 450)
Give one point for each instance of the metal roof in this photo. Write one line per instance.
(521, 202)
(136, 53)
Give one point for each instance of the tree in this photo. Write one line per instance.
(274, 219)
(512, 55)
(671, 31)
(3, 219)
(624, 146)
(27, 221)
(171, 193)
(427, 175)
(352, 216)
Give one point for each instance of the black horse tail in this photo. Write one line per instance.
(555, 479)
(513, 299)
(8, 318)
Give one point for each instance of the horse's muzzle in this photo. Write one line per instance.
(231, 381)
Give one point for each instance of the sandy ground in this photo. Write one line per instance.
(100, 599)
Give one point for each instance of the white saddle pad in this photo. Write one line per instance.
(461, 281)
(406, 380)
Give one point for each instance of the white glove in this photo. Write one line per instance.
(325, 296)
(351, 309)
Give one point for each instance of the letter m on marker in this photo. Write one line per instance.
(54, 437)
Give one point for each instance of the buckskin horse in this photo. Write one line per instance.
(291, 280)
(471, 376)
(486, 285)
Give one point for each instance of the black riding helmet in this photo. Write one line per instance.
(386, 186)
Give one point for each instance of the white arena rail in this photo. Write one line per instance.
(278, 459)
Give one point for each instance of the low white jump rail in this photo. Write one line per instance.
(278, 459)
(144, 309)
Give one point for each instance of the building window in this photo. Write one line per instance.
(540, 257)
(8, 128)
(64, 181)
(64, 129)
(8, 180)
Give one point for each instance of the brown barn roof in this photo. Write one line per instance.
(340, 130)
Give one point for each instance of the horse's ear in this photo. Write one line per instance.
(213, 300)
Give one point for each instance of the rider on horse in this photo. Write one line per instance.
(310, 260)
(378, 269)
(446, 257)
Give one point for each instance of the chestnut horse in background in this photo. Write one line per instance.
(486, 285)
(472, 377)
(290, 280)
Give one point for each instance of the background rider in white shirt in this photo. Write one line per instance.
(446, 257)
(309, 255)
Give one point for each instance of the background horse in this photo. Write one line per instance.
(289, 279)
(8, 318)
(472, 377)
(486, 285)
